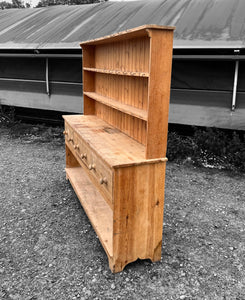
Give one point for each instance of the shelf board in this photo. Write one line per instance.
(125, 108)
(117, 72)
(96, 208)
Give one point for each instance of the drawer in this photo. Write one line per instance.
(83, 151)
(77, 146)
(97, 169)
(69, 134)
(102, 173)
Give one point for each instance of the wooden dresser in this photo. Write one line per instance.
(115, 152)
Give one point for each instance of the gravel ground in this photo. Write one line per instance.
(50, 251)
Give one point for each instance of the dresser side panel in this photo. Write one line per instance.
(138, 213)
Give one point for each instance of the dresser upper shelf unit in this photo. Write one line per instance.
(126, 83)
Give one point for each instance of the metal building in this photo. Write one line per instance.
(41, 60)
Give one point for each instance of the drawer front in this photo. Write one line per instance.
(69, 134)
(83, 151)
(102, 173)
(98, 170)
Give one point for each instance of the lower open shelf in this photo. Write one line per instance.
(96, 208)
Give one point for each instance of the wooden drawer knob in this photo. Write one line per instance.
(70, 139)
(91, 167)
(76, 146)
(65, 132)
(84, 155)
(103, 180)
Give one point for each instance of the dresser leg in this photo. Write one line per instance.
(116, 267)
(157, 254)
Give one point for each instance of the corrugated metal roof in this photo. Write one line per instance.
(199, 23)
